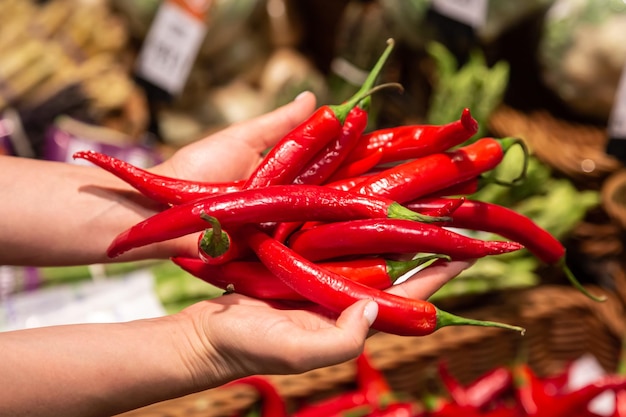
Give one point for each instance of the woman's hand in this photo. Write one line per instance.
(238, 336)
(233, 153)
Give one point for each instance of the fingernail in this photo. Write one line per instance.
(301, 95)
(370, 312)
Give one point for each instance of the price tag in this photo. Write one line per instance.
(617, 122)
(470, 12)
(172, 44)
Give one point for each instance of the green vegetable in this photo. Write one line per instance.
(474, 85)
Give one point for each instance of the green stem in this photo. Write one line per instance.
(448, 319)
(572, 279)
(214, 241)
(395, 269)
(507, 143)
(341, 110)
(398, 211)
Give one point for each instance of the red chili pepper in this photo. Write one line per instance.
(361, 237)
(437, 406)
(480, 392)
(620, 395)
(398, 409)
(334, 405)
(285, 160)
(489, 386)
(536, 402)
(272, 403)
(372, 382)
(463, 188)
(281, 203)
(253, 279)
(358, 167)
(415, 141)
(506, 222)
(160, 188)
(323, 165)
(396, 315)
(429, 174)
(445, 210)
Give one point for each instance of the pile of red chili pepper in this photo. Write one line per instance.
(332, 213)
(513, 390)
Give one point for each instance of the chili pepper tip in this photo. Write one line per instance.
(448, 319)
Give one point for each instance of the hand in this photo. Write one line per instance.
(239, 336)
(233, 153)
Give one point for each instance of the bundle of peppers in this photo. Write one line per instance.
(512, 390)
(332, 213)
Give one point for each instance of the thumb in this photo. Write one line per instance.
(345, 340)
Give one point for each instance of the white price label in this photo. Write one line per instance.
(170, 48)
(617, 121)
(470, 12)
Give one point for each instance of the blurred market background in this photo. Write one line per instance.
(77, 74)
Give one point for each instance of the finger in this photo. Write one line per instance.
(339, 343)
(427, 281)
(265, 131)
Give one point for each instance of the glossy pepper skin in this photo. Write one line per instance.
(270, 204)
(414, 141)
(536, 402)
(361, 237)
(253, 279)
(506, 222)
(284, 161)
(429, 174)
(396, 315)
(159, 188)
(323, 165)
(271, 402)
(481, 391)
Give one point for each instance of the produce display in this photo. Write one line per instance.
(511, 390)
(397, 210)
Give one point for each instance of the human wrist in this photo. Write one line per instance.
(204, 366)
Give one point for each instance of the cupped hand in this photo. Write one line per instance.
(239, 336)
(234, 152)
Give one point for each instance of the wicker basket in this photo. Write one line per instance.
(575, 149)
(562, 324)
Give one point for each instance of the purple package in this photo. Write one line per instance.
(67, 136)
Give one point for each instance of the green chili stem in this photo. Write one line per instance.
(341, 110)
(448, 319)
(214, 241)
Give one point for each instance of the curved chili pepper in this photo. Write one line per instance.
(159, 188)
(272, 403)
(446, 209)
(414, 141)
(285, 160)
(398, 409)
(253, 279)
(426, 175)
(281, 203)
(506, 222)
(462, 188)
(334, 405)
(489, 386)
(480, 392)
(372, 382)
(358, 167)
(327, 161)
(361, 237)
(536, 402)
(396, 315)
